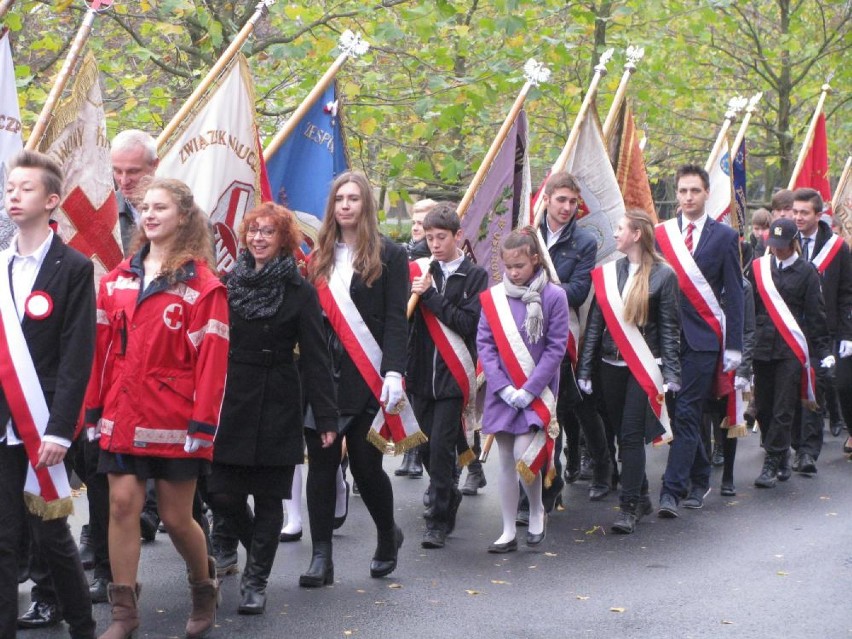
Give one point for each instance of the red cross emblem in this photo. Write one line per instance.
(94, 227)
(173, 316)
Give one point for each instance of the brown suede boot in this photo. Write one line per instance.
(205, 600)
(125, 616)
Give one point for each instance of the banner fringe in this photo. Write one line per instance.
(47, 510)
(526, 474)
(466, 457)
(740, 430)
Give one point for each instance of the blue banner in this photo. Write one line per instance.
(740, 188)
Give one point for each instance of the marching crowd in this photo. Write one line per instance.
(197, 393)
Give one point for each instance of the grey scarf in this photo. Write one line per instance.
(531, 296)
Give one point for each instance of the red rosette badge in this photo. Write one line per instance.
(38, 306)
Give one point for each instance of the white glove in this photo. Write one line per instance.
(92, 434)
(507, 393)
(671, 387)
(845, 349)
(392, 393)
(522, 398)
(731, 360)
(828, 362)
(194, 443)
(585, 385)
(741, 383)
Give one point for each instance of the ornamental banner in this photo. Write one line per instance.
(10, 129)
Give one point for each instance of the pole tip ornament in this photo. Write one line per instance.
(634, 55)
(352, 44)
(735, 105)
(535, 72)
(263, 6)
(605, 58)
(753, 102)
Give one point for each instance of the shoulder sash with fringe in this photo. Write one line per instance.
(827, 253)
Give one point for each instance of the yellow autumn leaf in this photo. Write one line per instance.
(368, 125)
(395, 585)
(500, 581)
(472, 592)
(582, 597)
(614, 609)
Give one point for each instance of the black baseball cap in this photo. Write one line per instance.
(782, 232)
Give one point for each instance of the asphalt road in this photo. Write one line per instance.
(766, 563)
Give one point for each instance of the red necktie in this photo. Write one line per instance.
(689, 228)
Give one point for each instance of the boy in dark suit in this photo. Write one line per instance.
(47, 305)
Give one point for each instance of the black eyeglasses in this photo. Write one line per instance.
(266, 232)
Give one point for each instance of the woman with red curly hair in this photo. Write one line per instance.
(260, 438)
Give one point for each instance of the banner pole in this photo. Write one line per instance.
(809, 137)
(634, 54)
(735, 105)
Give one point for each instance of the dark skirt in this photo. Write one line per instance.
(271, 481)
(145, 468)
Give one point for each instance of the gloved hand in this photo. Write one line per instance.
(522, 398)
(585, 385)
(671, 387)
(845, 349)
(194, 443)
(92, 433)
(741, 383)
(731, 360)
(828, 362)
(392, 393)
(507, 393)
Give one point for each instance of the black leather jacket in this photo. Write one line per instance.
(661, 332)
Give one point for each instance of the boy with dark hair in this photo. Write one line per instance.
(47, 332)
(441, 377)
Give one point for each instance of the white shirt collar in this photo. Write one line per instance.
(699, 223)
(38, 255)
(452, 266)
(784, 264)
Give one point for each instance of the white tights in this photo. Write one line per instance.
(511, 448)
(294, 504)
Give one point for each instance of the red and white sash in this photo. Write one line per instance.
(638, 356)
(452, 349)
(692, 281)
(520, 364)
(827, 253)
(402, 429)
(785, 323)
(46, 492)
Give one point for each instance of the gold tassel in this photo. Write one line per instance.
(812, 406)
(377, 440)
(549, 477)
(726, 423)
(466, 457)
(47, 510)
(740, 430)
(403, 446)
(526, 474)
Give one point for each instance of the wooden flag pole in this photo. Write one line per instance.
(74, 52)
(260, 10)
(634, 54)
(534, 74)
(809, 137)
(350, 44)
(5, 5)
(846, 175)
(735, 105)
(562, 160)
(746, 119)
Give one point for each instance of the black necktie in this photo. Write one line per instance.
(805, 248)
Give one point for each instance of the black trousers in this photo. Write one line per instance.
(628, 408)
(55, 543)
(809, 425)
(97, 491)
(440, 421)
(777, 392)
(843, 384)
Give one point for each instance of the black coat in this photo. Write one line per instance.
(62, 345)
(457, 306)
(799, 287)
(836, 286)
(661, 331)
(383, 307)
(573, 256)
(261, 422)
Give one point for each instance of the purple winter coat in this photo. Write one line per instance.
(548, 353)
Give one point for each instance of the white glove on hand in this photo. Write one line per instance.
(392, 393)
(845, 349)
(741, 383)
(507, 394)
(585, 385)
(671, 387)
(522, 398)
(194, 443)
(828, 362)
(731, 360)
(92, 434)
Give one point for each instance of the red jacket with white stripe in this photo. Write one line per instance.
(161, 361)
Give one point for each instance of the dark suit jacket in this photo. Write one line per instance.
(836, 286)
(717, 255)
(383, 307)
(62, 344)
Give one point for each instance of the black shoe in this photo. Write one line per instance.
(387, 550)
(668, 507)
(148, 525)
(434, 538)
(598, 491)
(355, 489)
(728, 489)
(534, 539)
(475, 479)
(405, 467)
(644, 507)
(784, 471)
(837, 426)
(847, 445)
(339, 521)
(321, 571)
(571, 475)
(284, 537)
(695, 499)
(416, 468)
(98, 590)
(87, 551)
(522, 518)
(453, 511)
(807, 465)
(40, 615)
(553, 495)
(253, 602)
(625, 523)
(500, 549)
(797, 461)
(768, 477)
(718, 458)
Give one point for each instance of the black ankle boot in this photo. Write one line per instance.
(387, 550)
(644, 507)
(261, 555)
(768, 476)
(625, 523)
(321, 571)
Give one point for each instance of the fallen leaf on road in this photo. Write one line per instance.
(361, 591)
(500, 581)
(781, 573)
(617, 609)
(582, 597)
(825, 497)
(395, 586)
(550, 554)
(593, 530)
(472, 592)
(727, 623)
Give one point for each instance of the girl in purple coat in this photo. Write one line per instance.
(522, 337)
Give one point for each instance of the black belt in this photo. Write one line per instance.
(264, 358)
